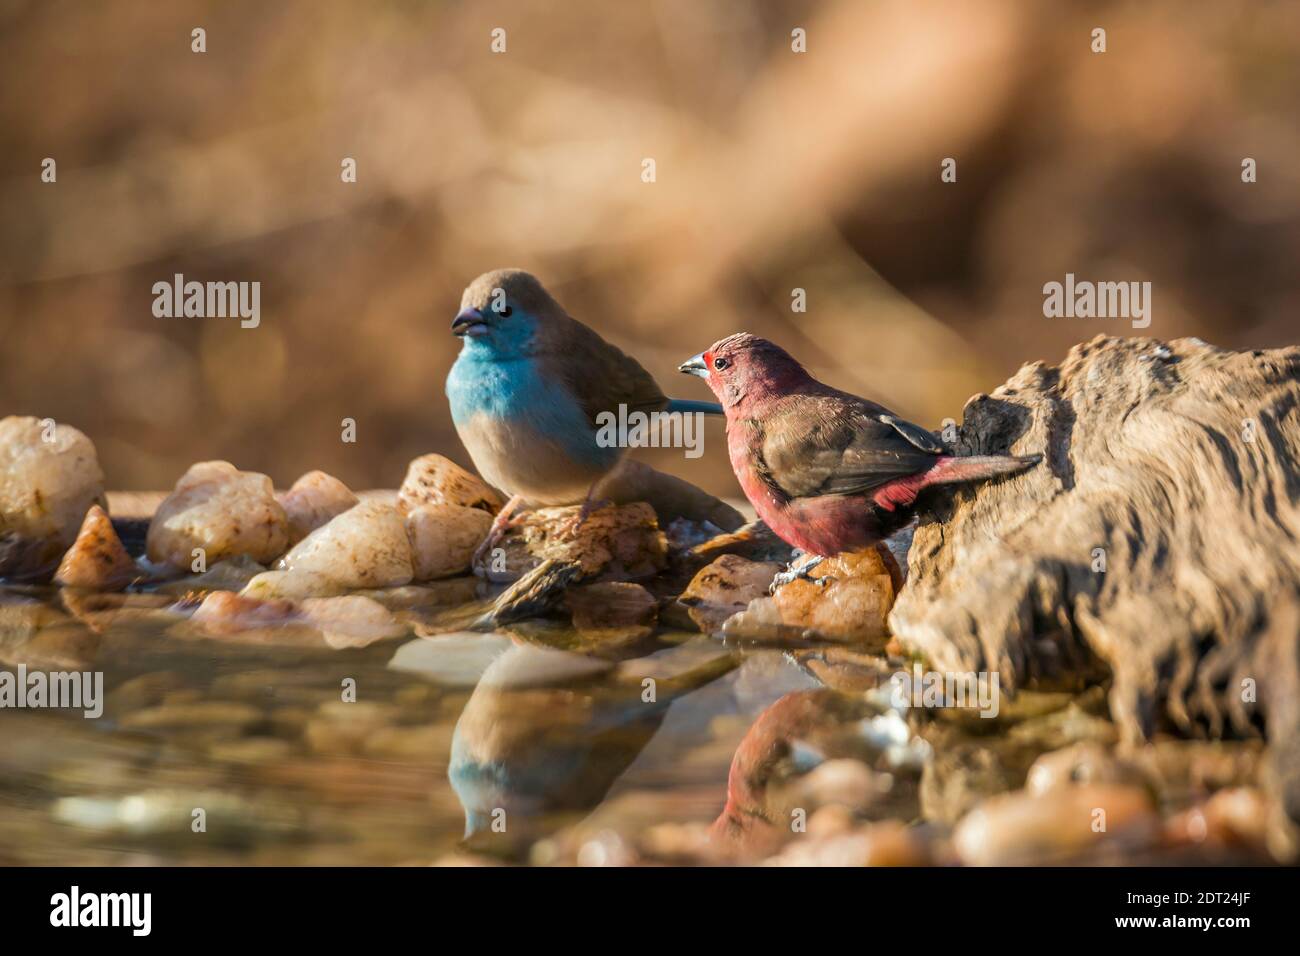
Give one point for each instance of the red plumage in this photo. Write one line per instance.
(825, 470)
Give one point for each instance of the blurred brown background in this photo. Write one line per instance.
(775, 170)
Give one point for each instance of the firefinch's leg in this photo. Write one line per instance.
(800, 570)
(505, 519)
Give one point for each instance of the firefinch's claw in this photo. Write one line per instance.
(794, 572)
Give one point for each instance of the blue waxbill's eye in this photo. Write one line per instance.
(503, 310)
(720, 363)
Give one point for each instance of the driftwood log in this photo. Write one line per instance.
(1159, 541)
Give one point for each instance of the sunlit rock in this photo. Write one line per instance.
(365, 547)
(724, 588)
(850, 605)
(49, 477)
(224, 512)
(443, 538)
(617, 542)
(313, 500)
(97, 559)
(435, 480)
(290, 586)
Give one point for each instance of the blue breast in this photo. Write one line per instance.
(513, 391)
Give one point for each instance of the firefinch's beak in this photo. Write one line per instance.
(469, 322)
(695, 366)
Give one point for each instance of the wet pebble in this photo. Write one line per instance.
(365, 547)
(221, 510)
(49, 478)
(313, 500)
(444, 538)
(97, 560)
(435, 480)
(617, 542)
(725, 587)
(851, 606)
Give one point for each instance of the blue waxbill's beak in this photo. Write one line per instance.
(469, 322)
(695, 366)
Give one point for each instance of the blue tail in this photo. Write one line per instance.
(686, 406)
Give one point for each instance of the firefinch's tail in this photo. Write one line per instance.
(978, 468)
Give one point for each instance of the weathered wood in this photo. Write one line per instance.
(1178, 465)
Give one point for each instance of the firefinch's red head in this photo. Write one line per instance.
(743, 366)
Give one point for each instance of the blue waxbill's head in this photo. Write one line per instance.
(503, 313)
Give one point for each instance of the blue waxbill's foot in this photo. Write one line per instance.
(505, 520)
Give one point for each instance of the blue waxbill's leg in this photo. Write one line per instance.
(504, 520)
(589, 504)
(800, 570)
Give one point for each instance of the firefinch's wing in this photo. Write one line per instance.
(917, 435)
(600, 376)
(841, 446)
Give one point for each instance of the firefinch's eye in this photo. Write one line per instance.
(720, 363)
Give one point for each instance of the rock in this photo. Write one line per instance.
(96, 559)
(365, 547)
(224, 511)
(444, 537)
(435, 480)
(1104, 553)
(534, 594)
(670, 497)
(223, 612)
(615, 542)
(351, 621)
(1064, 824)
(754, 541)
(724, 588)
(851, 607)
(314, 499)
(46, 487)
(611, 605)
(1083, 763)
(290, 586)
(232, 574)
